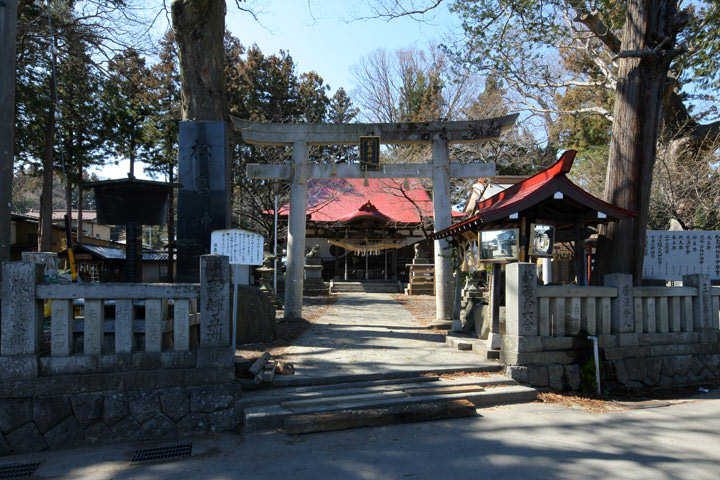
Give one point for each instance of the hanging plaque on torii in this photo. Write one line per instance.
(440, 170)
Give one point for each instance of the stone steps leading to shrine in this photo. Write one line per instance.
(354, 404)
(365, 286)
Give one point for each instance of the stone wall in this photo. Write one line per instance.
(112, 392)
(647, 337)
(654, 361)
(48, 421)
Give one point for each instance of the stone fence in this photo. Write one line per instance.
(114, 362)
(648, 336)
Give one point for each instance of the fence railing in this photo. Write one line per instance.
(568, 310)
(92, 321)
(137, 315)
(616, 308)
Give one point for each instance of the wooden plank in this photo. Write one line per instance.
(181, 325)
(605, 317)
(688, 324)
(109, 291)
(259, 364)
(370, 417)
(589, 315)
(675, 314)
(582, 292)
(544, 316)
(558, 317)
(650, 321)
(61, 328)
(638, 314)
(663, 322)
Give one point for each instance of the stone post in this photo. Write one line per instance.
(442, 220)
(21, 312)
(214, 301)
(520, 300)
(203, 200)
(622, 306)
(296, 233)
(521, 324)
(702, 304)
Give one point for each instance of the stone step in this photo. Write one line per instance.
(369, 286)
(334, 381)
(267, 413)
(334, 392)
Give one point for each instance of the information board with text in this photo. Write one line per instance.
(671, 254)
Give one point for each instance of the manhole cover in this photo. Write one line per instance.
(18, 470)
(161, 453)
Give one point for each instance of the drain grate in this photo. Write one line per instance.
(17, 470)
(161, 453)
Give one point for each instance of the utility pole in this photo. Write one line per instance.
(8, 27)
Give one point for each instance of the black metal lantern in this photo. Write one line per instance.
(119, 202)
(132, 203)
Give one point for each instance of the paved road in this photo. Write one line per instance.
(531, 441)
(371, 333)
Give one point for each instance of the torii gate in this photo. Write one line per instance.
(440, 170)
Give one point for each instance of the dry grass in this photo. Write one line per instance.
(421, 307)
(591, 405)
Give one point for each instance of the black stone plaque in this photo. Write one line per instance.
(370, 152)
(203, 197)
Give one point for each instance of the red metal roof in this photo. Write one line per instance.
(346, 199)
(536, 189)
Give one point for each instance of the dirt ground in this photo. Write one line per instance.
(288, 330)
(422, 307)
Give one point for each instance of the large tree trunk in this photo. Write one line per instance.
(46, 196)
(8, 25)
(199, 26)
(640, 89)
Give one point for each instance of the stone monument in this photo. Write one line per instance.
(421, 257)
(313, 284)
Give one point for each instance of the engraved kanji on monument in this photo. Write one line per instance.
(202, 199)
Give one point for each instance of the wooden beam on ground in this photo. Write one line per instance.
(350, 133)
(376, 416)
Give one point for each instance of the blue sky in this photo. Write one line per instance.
(321, 35)
(324, 36)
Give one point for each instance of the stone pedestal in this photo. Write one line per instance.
(265, 282)
(313, 284)
(472, 299)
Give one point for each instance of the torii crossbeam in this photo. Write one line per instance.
(440, 170)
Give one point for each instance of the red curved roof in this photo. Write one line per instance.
(347, 199)
(538, 188)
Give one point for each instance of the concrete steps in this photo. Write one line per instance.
(365, 286)
(278, 408)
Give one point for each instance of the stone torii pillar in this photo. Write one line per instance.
(440, 170)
